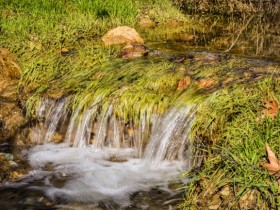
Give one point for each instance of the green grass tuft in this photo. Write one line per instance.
(229, 135)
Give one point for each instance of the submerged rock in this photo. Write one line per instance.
(122, 35)
(180, 58)
(134, 51)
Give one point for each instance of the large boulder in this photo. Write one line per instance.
(122, 35)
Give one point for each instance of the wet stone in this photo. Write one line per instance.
(24, 198)
(133, 51)
(180, 58)
(7, 156)
(13, 164)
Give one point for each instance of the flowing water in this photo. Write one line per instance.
(100, 161)
(88, 159)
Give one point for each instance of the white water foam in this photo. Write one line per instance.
(104, 158)
(93, 177)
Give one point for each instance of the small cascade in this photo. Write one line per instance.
(103, 158)
(49, 115)
(164, 137)
(170, 136)
(103, 129)
(86, 127)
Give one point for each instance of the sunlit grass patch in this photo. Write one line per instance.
(230, 133)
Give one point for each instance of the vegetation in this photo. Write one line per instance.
(230, 133)
(60, 54)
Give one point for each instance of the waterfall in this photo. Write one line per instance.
(167, 135)
(170, 136)
(102, 157)
(50, 112)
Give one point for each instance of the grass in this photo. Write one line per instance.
(36, 31)
(60, 23)
(229, 135)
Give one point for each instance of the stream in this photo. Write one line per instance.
(103, 163)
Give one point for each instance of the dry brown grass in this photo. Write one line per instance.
(231, 6)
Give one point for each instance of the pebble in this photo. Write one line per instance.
(13, 164)
(7, 156)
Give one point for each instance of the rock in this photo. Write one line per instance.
(13, 164)
(12, 119)
(215, 202)
(133, 51)
(180, 58)
(15, 175)
(213, 207)
(122, 35)
(8, 89)
(210, 58)
(7, 156)
(247, 75)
